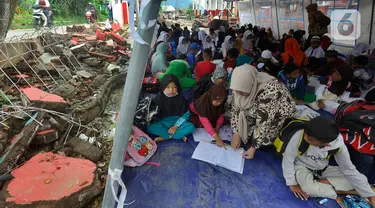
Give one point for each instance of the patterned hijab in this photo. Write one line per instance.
(219, 72)
(247, 79)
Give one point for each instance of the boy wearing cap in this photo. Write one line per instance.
(194, 48)
(315, 50)
(308, 174)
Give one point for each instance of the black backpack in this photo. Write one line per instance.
(146, 112)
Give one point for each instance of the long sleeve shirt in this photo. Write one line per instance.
(183, 119)
(315, 159)
(315, 52)
(294, 85)
(206, 123)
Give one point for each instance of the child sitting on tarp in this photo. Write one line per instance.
(206, 66)
(362, 77)
(174, 112)
(307, 172)
(293, 80)
(181, 69)
(327, 96)
(231, 61)
(206, 82)
(208, 111)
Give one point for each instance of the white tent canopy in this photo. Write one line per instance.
(169, 8)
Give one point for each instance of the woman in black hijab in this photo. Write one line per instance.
(174, 113)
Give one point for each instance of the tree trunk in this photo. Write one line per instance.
(7, 10)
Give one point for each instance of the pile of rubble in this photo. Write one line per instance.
(56, 123)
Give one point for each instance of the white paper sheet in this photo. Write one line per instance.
(228, 159)
(201, 134)
(206, 152)
(231, 160)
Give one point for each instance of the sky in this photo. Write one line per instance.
(181, 4)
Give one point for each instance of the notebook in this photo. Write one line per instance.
(201, 134)
(218, 156)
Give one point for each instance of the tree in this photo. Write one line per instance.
(7, 11)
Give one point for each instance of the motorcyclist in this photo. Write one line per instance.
(92, 9)
(46, 6)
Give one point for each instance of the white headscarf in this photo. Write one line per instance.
(359, 49)
(207, 43)
(227, 45)
(247, 79)
(201, 35)
(247, 43)
(163, 37)
(183, 46)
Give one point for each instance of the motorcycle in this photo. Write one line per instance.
(40, 19)
(90, 16)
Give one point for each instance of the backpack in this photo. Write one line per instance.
(290, 128)
(145, 112)
(140, 148)
(357, 125)
(150, 84)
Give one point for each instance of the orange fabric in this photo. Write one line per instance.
(292, 49)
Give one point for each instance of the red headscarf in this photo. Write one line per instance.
(293, 51)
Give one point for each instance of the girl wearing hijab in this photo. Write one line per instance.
(327, 96)
(159, 63)
(218, 77)
(208, 43)
(210, 110)
(260, 106)
(247, 43)
(180, 68)
(163, 37)
(183, 46)
(294, 53)
(174, 113)
(228, 44)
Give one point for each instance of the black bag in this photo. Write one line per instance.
(146, 111)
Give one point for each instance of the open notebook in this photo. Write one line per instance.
(201, 134)
(228, 159)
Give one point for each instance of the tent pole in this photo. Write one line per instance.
(372, 21)
(132, 88)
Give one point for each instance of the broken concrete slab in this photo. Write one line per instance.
(84, 74)
(46, 136)
(113, 68)
(65, 90)
(93, 62)
(85, 149)
(50, 101)
(47, 181)
(79, 48)
(110, 58)
(118, 39)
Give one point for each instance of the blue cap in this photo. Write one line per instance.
(194, 46)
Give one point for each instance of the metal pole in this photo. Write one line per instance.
(132, 88)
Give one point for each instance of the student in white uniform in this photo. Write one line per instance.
(315, 50)
(309, 175)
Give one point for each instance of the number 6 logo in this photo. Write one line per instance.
(345, 24)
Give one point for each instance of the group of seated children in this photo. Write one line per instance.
(264, 97)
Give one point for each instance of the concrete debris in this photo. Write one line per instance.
(85, 149)
(84, 74)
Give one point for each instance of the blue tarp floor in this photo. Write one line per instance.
(182, 182)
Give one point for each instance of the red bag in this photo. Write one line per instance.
(150, 84)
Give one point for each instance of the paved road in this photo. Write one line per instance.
(21, 32)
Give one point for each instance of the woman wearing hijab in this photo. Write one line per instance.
(260, 106)
(294, 53)
(228, 44)
(163, 37)
(159, 63)
(180, 68)
(174, 113)
(219, 77)
(209, 108)
(327, 96)
(183, 46)
(247, 43)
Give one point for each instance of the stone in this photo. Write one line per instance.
(84, 74)
(46, 136)
(85, 149)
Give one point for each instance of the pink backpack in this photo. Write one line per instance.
(140, 148)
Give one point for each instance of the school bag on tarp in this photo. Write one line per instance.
(140, 148)
(146, 111)
(357, 125)
(291, 126)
